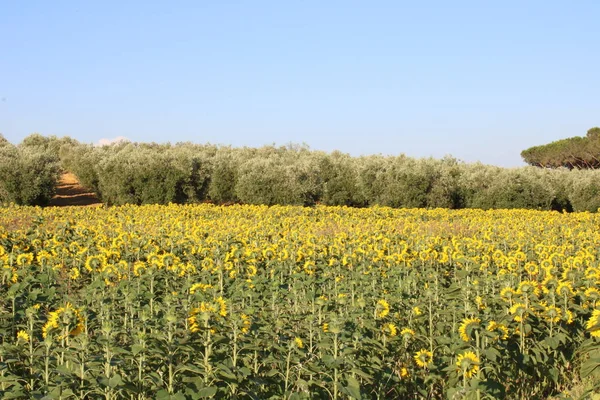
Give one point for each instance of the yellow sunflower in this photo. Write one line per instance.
(593, 324)
(424, 358)
(468, 364)
(466, 326)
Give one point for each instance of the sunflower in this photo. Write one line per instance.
(74, 273)
(390, 329)
(480, 303)
(298, 342)
(551, 313)
(529, 287)
(546, 264)
(222, 307)
(44, 257)
(24, 259)
(424, 358)
(382, 309)
(565, 288)
(592, 273)
(466, 327)
(95, 262)
(519, 311)
(593, 324)
(407, 333)
(246, 323)
(531, 268)
(200, 286)
(68, 317)
(592, 293)
(508, 293)
(493, 326)
(569, 317)
(204, 311)
(468, 364)
(22, 335)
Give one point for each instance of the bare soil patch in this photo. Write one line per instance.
(69, 192)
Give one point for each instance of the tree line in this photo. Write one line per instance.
(579, 152)
(151, 173)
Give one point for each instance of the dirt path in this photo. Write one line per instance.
(70, 193)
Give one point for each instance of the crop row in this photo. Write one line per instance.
(291, 302)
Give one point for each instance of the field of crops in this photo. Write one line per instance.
(189, 302)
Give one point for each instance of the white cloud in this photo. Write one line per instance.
(107, 142)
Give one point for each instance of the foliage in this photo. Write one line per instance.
(573, 153)
(150, 173)
(338, 173)
(138, 173)
(28, 172)
(278, 176)
(512, 188)
(585, 191)
(131, 173)
(223, 179)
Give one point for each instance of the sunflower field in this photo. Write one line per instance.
(256, 302)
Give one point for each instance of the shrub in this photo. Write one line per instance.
(585, 190)
(509, 188)
(28, 174)
(148, 175)
(141, 173)
(223, 178)
(270, 181)
(338, 173)
(405, 183)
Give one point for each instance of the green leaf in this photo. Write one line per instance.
(136, 349)
(492, 387)
(63, 370)
(590, 367)
(492, 354)
(302, 385)
(115, 381)
(272, 373)
(353, 387)
(13, 395)
(362, 374)
(552, 342)
(207, 392)
(452, 393)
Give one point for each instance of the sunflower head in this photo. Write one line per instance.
(424, 358)
(466, 328)
(407, 333)
(298, 342)
(390, 329)
(22, 335)
(519, 310)
(382, 309)
(552, 313)
(593, 324)
(468, 364)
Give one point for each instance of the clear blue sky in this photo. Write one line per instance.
(479, 80)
